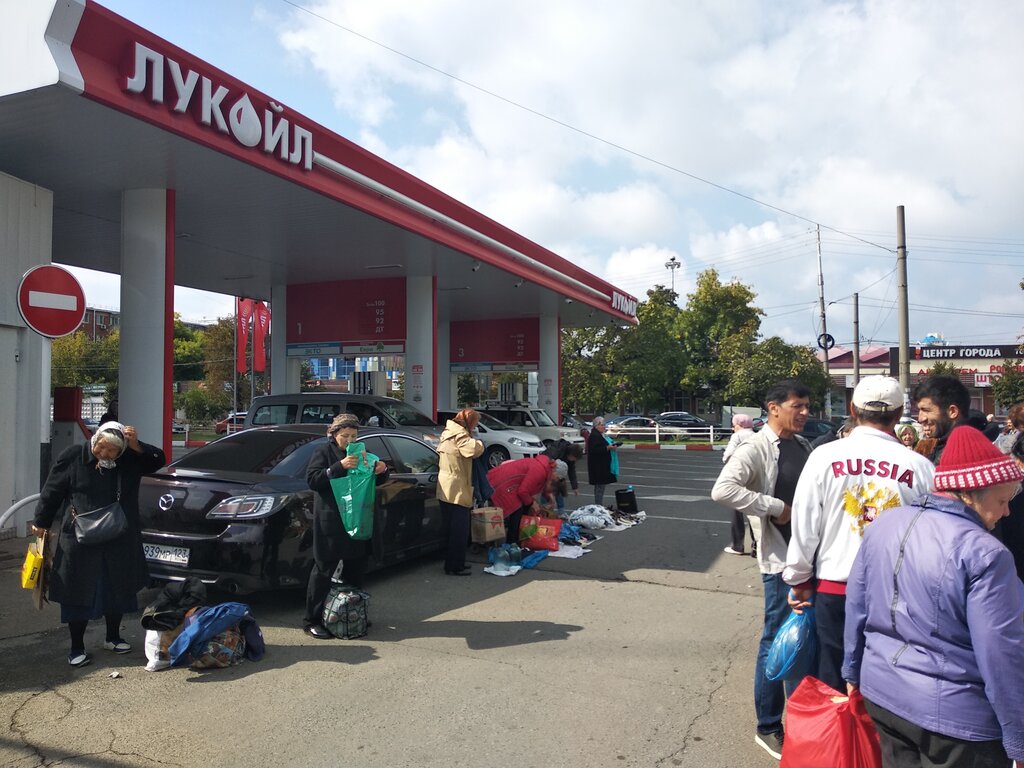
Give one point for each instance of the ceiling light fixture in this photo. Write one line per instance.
(383, 266)
(518, 285)
(475, 266)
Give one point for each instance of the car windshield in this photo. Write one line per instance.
(255, 450)
(404, 415)
(541, 418)
(492, 423)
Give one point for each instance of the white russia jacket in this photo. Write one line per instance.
(844, 486)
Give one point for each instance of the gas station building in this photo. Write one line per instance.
(123, 153)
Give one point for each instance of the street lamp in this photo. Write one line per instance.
(672, 265)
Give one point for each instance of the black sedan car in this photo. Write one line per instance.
(693, 426)
(237, 513)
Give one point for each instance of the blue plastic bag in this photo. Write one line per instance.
(794, 652)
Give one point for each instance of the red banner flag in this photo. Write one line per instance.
(243, 321)
(260, 328)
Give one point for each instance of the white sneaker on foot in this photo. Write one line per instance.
(731, 551)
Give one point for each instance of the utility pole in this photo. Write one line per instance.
(901, 274)
(672, 265)
(823, 340)
(856, 339)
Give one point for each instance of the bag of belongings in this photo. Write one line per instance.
(346, 612)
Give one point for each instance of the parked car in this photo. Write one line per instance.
(92, 425)
(630, 427)
(321, 408)
(574, 422)
(693, 427)
(501, 442)
(231, 423)
(815, 428)
(528, 418)
(177, 426)
(237, 513)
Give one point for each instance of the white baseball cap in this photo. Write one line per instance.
(878, 393)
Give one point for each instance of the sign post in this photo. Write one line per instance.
(51, 301)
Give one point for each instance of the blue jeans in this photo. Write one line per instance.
(770, 695)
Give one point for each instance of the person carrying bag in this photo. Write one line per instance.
(97, 570)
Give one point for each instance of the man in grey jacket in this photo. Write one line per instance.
(759, 480)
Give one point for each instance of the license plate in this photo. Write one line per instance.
(165, 554)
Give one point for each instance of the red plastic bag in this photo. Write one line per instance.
(539, 532)
(825, 729)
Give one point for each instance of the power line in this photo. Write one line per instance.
(581, 131)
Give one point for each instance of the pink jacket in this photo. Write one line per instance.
(516, 483)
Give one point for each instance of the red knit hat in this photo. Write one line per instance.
(970, 461)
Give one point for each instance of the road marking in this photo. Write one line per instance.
(45, 300)
(688, 519)
(677, 497)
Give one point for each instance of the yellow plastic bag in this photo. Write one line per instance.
(33, 565)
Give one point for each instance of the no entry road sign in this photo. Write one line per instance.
(51, 301)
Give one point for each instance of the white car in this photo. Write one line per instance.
(501, 442)
(528, 418)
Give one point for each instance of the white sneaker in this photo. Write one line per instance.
(731, 551)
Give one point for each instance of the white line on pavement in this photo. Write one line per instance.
(688, 519)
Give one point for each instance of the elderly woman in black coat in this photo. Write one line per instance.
(331, 543)
(93, 580)
(600, 448)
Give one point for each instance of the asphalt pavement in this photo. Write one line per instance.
(640, 653)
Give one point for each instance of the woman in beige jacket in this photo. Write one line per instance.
(457, 449)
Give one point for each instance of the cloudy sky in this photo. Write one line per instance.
(721, 133)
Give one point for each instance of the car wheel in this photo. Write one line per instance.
(495, 455)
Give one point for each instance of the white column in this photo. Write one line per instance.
(549, 386)
(26, 236)
(421, 344)
(147, 313)
(285, 372)
(445, 381)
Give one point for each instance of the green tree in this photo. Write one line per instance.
(468, 391)
(649, 359)
(770, 361)
(942, 368)
(188, 352)
(76, 360)
(589, 384)
(1008, 389)
(201, 405)
(718, 328)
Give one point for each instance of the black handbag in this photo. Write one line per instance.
(98, 526)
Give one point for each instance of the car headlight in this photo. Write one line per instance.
(518, 443)
(248, 507)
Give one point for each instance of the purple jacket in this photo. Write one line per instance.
(940, 642)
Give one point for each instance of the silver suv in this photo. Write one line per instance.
(321, 408)
(501, 442)
(529, 418)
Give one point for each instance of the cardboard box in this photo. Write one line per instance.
(487, 525)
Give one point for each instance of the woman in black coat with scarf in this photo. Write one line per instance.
(599, 460)
(331, 543)
(93, 580)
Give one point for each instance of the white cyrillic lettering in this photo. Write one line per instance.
(275, 135)
(137, 82)
(184, 87)
(211, 105)
(302, 148)
(245, 124)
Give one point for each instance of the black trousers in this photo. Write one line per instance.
(905, 745)
(319, 585)
(830, 621)
(512, 524)
(457, 519)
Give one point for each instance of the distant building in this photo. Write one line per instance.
(98, 323)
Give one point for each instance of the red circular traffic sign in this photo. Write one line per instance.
(51, 301)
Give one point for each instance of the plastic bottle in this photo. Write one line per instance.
(629, 488)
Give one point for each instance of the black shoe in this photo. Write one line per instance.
(770, 743)
(79, 658)
(318, 631)
(464, 571)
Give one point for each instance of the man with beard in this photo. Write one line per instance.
(943, 402)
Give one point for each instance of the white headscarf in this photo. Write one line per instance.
(110, 432)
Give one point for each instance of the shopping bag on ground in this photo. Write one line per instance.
(825, 729)
(794, 652)
(33, 564)
(356, 493)
(539, 532)
(346, 612)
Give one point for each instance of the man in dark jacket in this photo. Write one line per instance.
(567, 453)
(943, 402)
